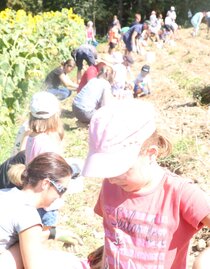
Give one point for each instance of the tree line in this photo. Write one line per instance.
(101, 12)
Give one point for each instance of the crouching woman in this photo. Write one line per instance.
(45, 179)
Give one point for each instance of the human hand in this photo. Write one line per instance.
(70, 239)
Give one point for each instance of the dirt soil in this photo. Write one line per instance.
(178, 69)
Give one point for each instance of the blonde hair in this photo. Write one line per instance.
(52, 124)
(45, 165)
(161, 141)
(89, 23)
(14, 174)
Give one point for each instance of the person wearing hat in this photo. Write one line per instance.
(149, 213)
(58, 83)
(142, 83)
(44, 134)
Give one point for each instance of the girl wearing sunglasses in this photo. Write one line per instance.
(21, 232)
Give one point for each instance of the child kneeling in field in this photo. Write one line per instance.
(142, 84)
(149, 214)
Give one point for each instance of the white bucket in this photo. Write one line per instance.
(150, 57)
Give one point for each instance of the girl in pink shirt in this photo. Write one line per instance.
(149, 214)
(90, 33)
(45, 126)
(46, 135)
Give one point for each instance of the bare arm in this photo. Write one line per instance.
(202, 261)
(107, 97)
(31, 247)
(149, 85)
(67, 82)
(133, 40)
(206, 220)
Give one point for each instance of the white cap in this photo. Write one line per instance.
(43, 105)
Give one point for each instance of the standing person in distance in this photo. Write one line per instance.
(149, 214)
(90, 33)
(130, 38)
(196, 21)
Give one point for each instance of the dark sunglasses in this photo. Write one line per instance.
(59, 188)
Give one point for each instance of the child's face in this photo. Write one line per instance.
(136, 178)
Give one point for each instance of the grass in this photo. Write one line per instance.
(185, 82)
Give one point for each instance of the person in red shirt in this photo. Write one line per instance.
(91, 72)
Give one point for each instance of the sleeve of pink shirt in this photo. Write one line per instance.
(97, 209)
(194, 204)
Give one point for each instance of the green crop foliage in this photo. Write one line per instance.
(29, 45)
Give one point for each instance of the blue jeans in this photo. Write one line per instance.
(49, 218)
(60, 93)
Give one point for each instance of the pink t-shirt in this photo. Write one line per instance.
(151, 230)
(90, 33)
(42, 143)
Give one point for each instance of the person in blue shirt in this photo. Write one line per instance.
(130, 37)
(196, 21)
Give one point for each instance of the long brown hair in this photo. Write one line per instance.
(46, 165)
(52, 124)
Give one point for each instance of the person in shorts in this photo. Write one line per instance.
(84, 52)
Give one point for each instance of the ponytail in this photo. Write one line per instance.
(15, 174)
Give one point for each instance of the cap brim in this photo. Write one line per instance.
(105, 165)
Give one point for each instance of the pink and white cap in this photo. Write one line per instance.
(116, 134)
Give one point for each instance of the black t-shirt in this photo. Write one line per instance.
(4, 167)
(52, 80)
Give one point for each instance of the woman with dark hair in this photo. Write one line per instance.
(43, 180)
(58, 83)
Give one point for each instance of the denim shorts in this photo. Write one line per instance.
(60, 93)
(49, 218)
